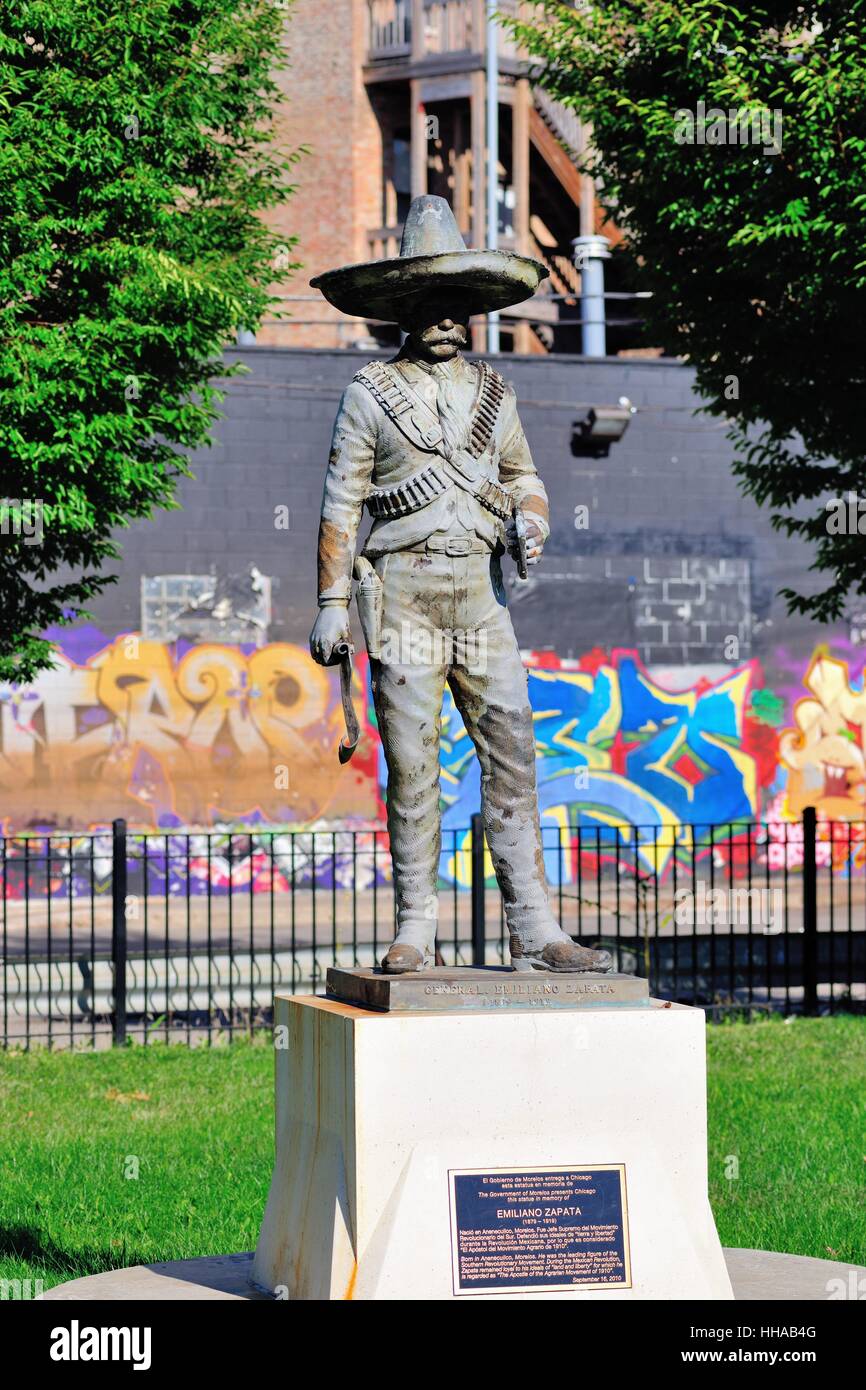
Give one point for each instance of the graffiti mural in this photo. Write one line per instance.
(195, 865)
(173, 736)
(824, 753)
(167, 736)
(618, 753)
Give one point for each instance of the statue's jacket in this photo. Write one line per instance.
(370, 452)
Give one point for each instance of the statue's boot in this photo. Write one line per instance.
(412, 949)
(547, 947)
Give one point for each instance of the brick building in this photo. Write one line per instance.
(389, 96)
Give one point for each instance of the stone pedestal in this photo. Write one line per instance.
(507, 1153)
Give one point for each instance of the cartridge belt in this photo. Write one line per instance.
(408, 496)
(424, 487)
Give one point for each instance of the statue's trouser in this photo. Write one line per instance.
(444, 619)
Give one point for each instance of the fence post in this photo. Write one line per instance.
(478, 925)
(118, 928)
(810, 913)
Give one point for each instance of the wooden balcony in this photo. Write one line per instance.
(384, 242)
(448, 27)
(390, 29)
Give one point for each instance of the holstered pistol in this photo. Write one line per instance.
(369, 597)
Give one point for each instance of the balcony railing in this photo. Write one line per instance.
(390, 28)
(384, 242)
(564, 122)
(448, 28)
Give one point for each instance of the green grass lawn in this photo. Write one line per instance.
(787, 1101)
(119, 1158)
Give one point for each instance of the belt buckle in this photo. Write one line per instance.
(458, 545)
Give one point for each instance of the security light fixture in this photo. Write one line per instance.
(601, 426)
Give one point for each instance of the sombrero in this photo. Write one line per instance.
(433, 259)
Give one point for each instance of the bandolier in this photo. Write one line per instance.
(421, 488)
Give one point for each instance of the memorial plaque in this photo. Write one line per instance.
(516, 1230)
(447, 988)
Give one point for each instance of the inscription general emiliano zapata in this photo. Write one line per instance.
(433, 447)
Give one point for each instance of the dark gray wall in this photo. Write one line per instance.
(674, 560)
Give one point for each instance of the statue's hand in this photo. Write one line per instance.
(534, 542)
(330, 629)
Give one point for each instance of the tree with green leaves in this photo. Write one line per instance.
(730, 145)
(137, 155)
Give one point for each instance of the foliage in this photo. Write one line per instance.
(756, 255)
(136, 156)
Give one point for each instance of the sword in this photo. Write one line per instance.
(520, 527)
(348, 744)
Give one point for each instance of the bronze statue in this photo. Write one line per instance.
(432, 445)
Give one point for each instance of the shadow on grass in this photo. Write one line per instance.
(34, 1246)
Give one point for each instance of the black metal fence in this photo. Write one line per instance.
(186, 935)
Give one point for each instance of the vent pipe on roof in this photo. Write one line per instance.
(590, 254)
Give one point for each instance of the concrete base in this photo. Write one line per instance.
(525, 1153)
(381, 1117)
(211, 1277)
(756, 1276)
